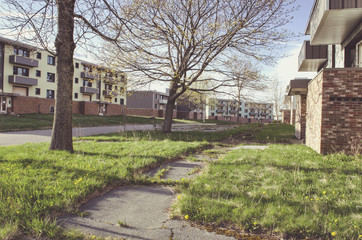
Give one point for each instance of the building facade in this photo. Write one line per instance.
(147, 103)
(28, 83)
(227, 109)
(333, 99)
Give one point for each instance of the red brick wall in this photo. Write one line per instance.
(286, 116)
(115, 109)
(148, 112)
(24, 105)
(341, 110)
(300, 116)
(341, 113)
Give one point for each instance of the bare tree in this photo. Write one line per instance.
(242, 78)
(277, 96)
(67, 22)
(175, 41)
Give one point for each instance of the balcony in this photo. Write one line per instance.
(253, 114)
(89, 75)
(23, 61)
(110, 93)
(298, 87)
(15, 79)
(264, 114)
(110, 80)
(89, 90)
(220, 111)
(162, 101)
(312, 58)
(233, 111)
(331, 21)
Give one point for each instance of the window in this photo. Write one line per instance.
(246, 110)
(87, 69)
(155, 106)
(50, 94)
(76, 95)
(246, 116)
(21, 71)
(22, 52)
(108, 87)
(76, 80)
(38, 73)
(51, 60)
(115, 100)
(121, 101)
(86, 83)
(37, 91)
(76, 65)
(50, 77)
(51, 109)
(38, 55)
(155, 98)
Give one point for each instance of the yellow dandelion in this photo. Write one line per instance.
(255, 223)
(306, 197)
(179, 196)
(333, 192)
(360, 236)
(264, 192)
(317, 199)
(336, 220)
(324, 192)
(186, 217)
(311, 199)
(333, 234)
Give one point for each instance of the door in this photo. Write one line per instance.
(3, 108)
(22, 91)
(86, 98)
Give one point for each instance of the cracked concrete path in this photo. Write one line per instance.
(142, 212)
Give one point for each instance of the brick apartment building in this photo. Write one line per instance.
(330, 105)
(147, 103)
(227, 109)
(27, 83)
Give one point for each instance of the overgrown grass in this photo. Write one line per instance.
(288, 190)
(276, 133)
(36, 183)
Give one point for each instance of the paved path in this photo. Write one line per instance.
(145, 210)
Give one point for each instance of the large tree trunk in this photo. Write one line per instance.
(170, 106)
(64, 43)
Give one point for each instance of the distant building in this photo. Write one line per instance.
(227, 109)
(147, 103)
(28, 83)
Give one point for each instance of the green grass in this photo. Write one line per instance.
(36, 183)
(288, 190)
(276, 133)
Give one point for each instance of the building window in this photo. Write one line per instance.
(155, 106)
(38, 55)
(86, 83)
(108, 87)
(51, 60)
(38, 73)
(50, 77)
(51, 109)
(76, 65)
(22, 52)
(75, 95)
(155, 96)
(50, 94)
(76, 80)
(121, 101)
(246, 116)
(21, 71)
(115, 100)
(37, 91)
(87, 69)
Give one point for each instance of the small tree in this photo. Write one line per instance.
(176, 41)
(277, 97)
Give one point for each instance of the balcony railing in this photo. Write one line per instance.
(24, 61)
(110, 80)
(110, 93)
(312, 58)
(89, 90)
(15, 79)
(264, 114)
(253, 114)
(233, 111)
(162, 101)
(332, 21)
(89, 75)
(220, 111)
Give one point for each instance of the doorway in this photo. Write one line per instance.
(3, 108)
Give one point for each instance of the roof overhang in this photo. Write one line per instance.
(298, 87)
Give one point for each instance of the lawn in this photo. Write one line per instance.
(45, 121)
(286, 190)
(36, 184)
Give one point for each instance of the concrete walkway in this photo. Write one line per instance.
(139, 212)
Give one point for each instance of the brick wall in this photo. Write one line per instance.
(286, 116)
(24, 105)
(341, 111)
(300, 116)
(148, 112)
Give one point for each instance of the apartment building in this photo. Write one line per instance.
(332, 101)
(227, 109)
(28, 76)
(147, 103)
